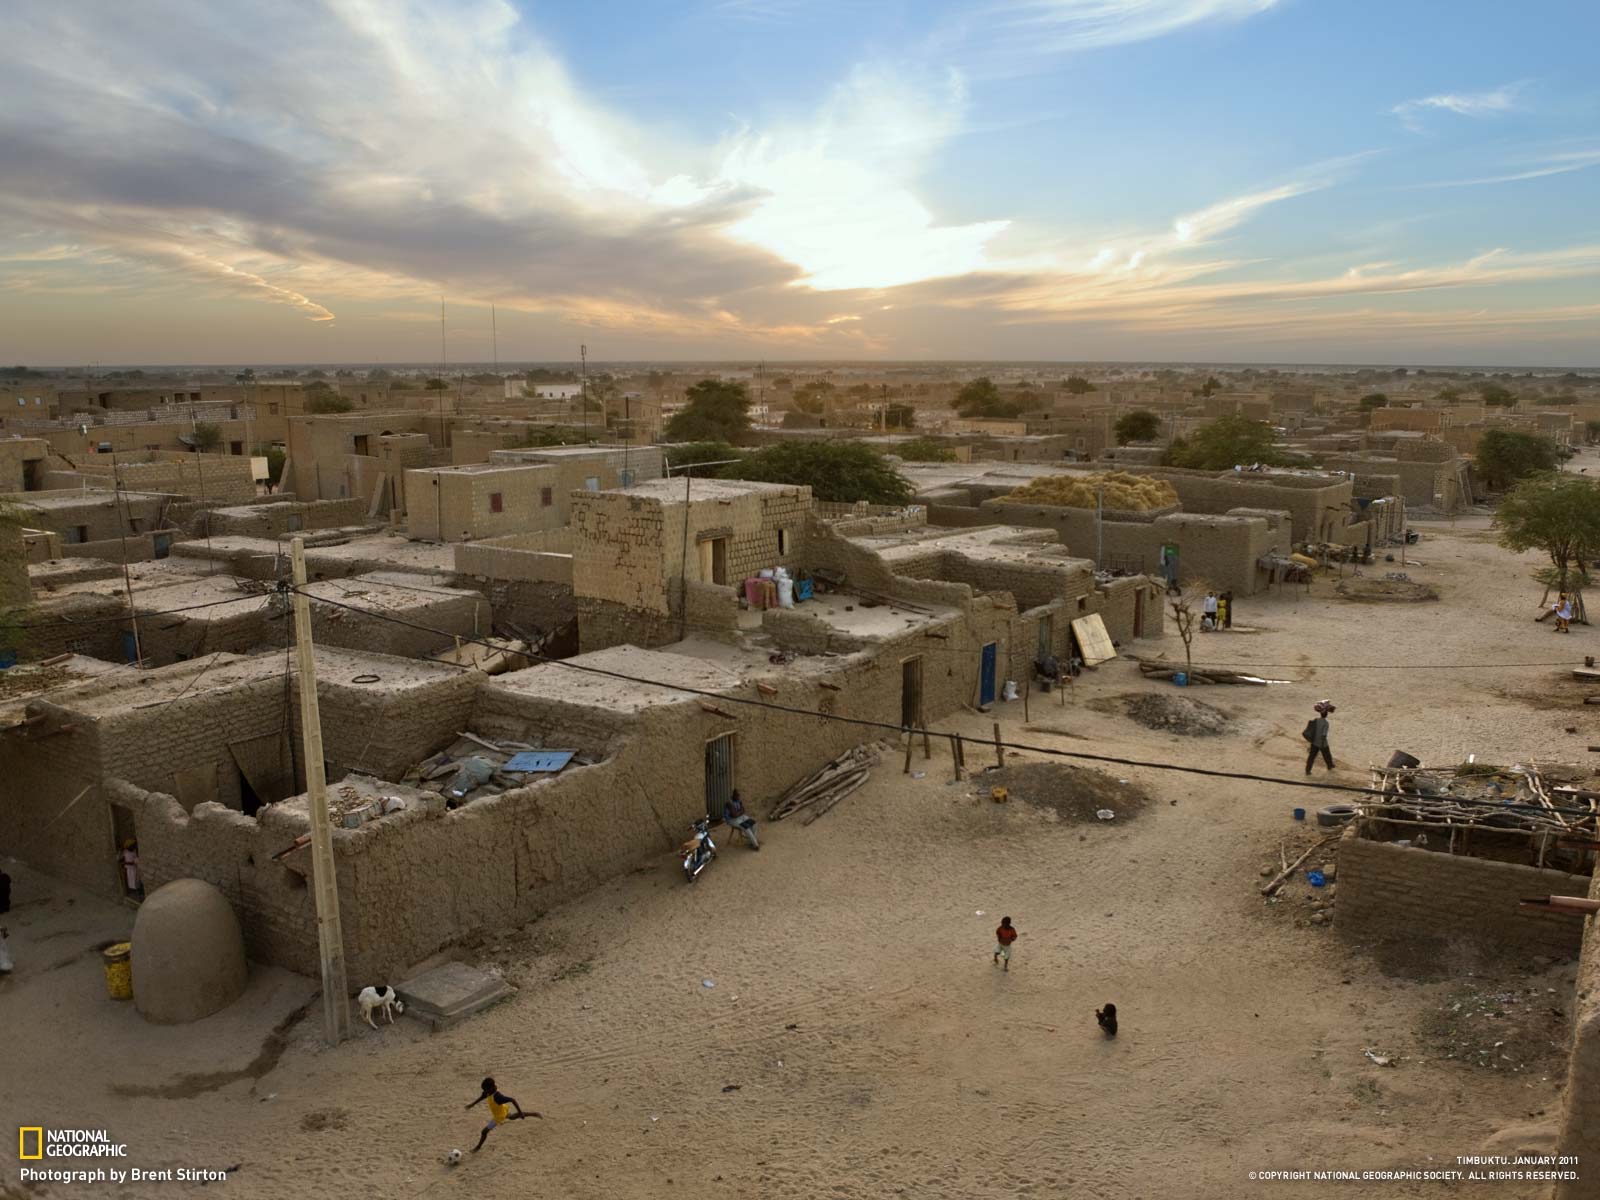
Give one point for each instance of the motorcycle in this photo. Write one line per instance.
(698, 851)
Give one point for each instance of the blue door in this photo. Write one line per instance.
(130, 646)
(986, 676)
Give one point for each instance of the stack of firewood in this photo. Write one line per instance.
(1160, 669)
(821, 790)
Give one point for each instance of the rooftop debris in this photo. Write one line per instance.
(474, 766)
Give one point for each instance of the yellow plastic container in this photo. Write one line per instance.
(119, 971)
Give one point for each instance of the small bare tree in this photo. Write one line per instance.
(1187, 614)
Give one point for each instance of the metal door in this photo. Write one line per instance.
(719, 774)
(911, 693)
(130, 646)
(161, 544)
(986, 676)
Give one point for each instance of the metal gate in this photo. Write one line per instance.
(986, 675)
(719, 774)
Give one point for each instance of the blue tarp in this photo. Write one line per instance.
(539, 761)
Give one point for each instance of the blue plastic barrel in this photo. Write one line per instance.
(1181, 679)
(1299, 814)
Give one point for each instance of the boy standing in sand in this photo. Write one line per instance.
(1003, 937)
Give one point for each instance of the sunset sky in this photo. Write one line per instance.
(1228, 180)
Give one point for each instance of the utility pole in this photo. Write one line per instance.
(494, 339)
(583, 353)
(1099, 524)
(127, 580)
(324, 879)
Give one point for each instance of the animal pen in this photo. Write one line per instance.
(1504, 814)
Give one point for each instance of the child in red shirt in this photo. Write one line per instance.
(1003, 937)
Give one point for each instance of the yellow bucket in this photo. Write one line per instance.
(119, 971)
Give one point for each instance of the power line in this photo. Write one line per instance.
(861, 722)
(143, 615)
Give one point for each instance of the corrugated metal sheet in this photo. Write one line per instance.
(533, 762)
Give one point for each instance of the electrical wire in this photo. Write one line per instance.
(884, 726)
(55, 621)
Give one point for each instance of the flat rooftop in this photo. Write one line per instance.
(670, 491)
(126, 689)
(572, 683)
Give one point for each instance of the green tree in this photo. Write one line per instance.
(899, 416)
(1496, 396)
(1504, 456)
(1228, 442)
(1140, 425)
(1448, 394)
(1591, 432)
(692, 453)
(1373, 400)
(321, 403)
(435, 385)
(981, 399)
(1077, 385)
(925, 449)
(207, 436)
(276, 456)
(718, 410)
(842, 471)
(1556, 512)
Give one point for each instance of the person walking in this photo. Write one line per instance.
(1003, 937)
(1316, 733)
(1209, 610)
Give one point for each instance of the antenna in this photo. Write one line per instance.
(444, 352)
(583, 353)
(494, 339)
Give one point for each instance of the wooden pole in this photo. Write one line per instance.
(325, 881)
(999, 750)
(911, 741)
(1027, 690)
(955, 755)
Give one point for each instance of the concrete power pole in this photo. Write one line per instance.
(324, 879)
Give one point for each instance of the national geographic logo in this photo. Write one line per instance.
(35, 1142)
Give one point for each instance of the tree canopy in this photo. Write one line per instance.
(1591, 431)
(1556, 512)
(1374, 400)
(925, 449)
(1077, 385)
(207, 435)
(899, 416)
(1504, 456)
(1497, 396)
(320, 403)
(981, 398)
(1228, 442)
(1140, 425)
(840, 471)
(718, 410)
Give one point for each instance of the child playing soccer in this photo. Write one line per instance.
(500, 1106)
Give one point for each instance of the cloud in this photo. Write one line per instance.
(1554, 164)
(835, 195)
(1499, 100)
(1060, 26)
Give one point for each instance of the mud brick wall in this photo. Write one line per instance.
(79, 624)
(466, 614)
(1307, 498)
(14, 586)
(1580, 1112)
(275, 520)
(530, 605)
(173, 638)
(385, 728)
(53, 817)
(1385, 889)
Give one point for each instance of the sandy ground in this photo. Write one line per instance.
(858, 1041)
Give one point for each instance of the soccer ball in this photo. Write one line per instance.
(453, 1158)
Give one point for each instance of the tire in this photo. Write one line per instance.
(1335, 814)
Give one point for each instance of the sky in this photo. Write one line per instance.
(1363, 181)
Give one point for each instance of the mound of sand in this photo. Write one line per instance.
(1364, 587)
(1072, 793)
(1176, 714)
(1123, 491)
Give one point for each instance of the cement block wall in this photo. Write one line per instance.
(279, 519)
(1391, 890)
